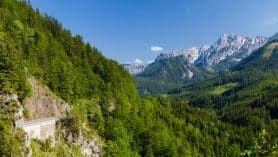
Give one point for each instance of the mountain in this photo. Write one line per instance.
(190, 54)
(134, 68)
(245, 96)
(228, 47)
(195, 64)
(53, 72)
(47, 72)
(260, 67)
(273, 38)
(226, 52)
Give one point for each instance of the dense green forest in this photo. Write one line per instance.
(246, 96)
(237, 119)
(168, 75)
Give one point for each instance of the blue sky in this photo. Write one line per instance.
(125, 30)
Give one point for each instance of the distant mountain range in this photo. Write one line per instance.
(194, 64)
(232, 48)
(228, 50)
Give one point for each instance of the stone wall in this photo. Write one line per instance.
(40, 129)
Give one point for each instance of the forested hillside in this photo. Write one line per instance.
(105, 103)
(175, 68)
(37, 45)
(167, 75)
(246, 96)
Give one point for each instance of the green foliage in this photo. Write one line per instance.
(11, 143)
(171, 70)
(46, 145)
(44, 149)
(245, 97)
(221, 89)
(146, 86)
(238, 105)
(71, 68)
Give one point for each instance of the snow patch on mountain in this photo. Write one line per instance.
(134, 69)
(229, 49)
(228, 45)
(192, 54)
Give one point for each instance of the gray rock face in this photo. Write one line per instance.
(43, 102)
(191, 54)
(233, 46)
(8, 101)
(230, 46)
(12, 99)
(91, 148)
(204, 62)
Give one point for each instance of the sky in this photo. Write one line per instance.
(138, 30)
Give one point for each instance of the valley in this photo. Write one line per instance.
(61, 97)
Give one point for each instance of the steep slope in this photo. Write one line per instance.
(246, 96)
(166, 75)
(61, 66)
(230, 48)
(190, 54)
(176, 69)
(105, 106)
(42, 103)
(260, 66)
(65, 63)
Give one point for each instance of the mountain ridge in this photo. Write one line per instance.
(195, 64)
(108, 118)
(228, 49)
(226, 45)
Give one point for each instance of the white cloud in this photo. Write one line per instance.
(271, 21)
(138, 61)
(156, 49)
(150, 61)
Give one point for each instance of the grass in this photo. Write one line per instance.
(210, 69)
(221, 89)
(36, 150)
(269, 50)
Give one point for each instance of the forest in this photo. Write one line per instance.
(230, 115)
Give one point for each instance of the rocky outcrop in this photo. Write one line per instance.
(10, 104)
(43, 103)
(228, 45)
(90, 145)
(200, 63)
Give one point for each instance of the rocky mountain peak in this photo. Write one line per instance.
(227, 39)
(227, 45)
(233, 46)
(230, 48)
(204, 48)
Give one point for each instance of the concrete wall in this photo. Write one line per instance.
(40, 129)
